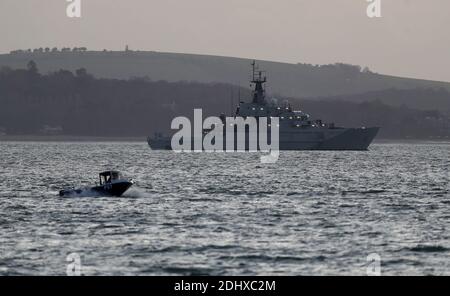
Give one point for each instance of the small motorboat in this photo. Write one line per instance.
(111, 184)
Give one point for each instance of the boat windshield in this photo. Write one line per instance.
(115, 176)
(108, 177)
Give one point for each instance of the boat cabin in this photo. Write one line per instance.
(109, 176)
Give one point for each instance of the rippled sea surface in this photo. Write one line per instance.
(311, 213)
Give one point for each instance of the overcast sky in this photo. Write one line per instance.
(411, 39)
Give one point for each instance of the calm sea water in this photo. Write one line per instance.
(312, 213)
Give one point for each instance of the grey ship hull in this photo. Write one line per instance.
(356, 139)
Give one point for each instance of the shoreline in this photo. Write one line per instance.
(37, 138)
(65, 138)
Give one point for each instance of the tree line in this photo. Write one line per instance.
(48, 50)
(77, 103)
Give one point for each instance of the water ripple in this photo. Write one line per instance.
(226, 214)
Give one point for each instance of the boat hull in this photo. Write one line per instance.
(354, 139)
(108, 190)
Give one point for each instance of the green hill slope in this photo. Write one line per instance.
(292, 80)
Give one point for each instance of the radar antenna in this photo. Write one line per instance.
(258, 78)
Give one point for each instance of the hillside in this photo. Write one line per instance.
(291, 80)
(425, 99)
(78, 104)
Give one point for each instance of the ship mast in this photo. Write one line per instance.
(259, 93)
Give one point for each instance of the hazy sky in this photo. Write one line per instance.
(411, 39)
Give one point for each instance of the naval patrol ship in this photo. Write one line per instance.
(297, 131)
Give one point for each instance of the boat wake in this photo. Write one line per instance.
(84, 192)
(137, 192)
